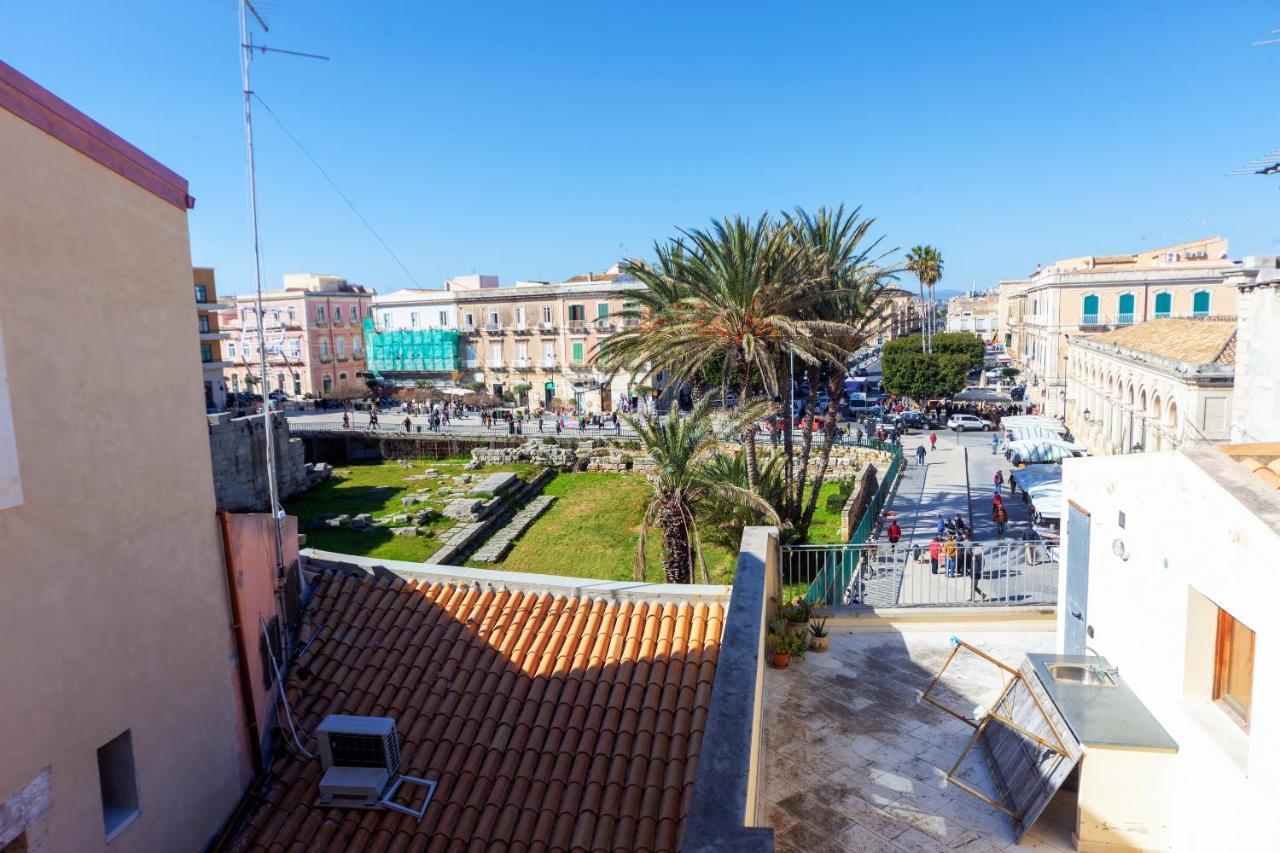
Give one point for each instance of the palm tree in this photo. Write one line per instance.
(732, 296)
(854, 278)
(926, 263)
(682, 449)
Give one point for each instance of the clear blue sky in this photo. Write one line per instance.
(539, 140)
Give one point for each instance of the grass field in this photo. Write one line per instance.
(825, 528)
(592, 531)
(377, 488)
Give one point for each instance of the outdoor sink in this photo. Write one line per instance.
(1080, 673)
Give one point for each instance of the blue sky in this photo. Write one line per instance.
(539, 140)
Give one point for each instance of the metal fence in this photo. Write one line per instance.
(877, 574)
(392, 424)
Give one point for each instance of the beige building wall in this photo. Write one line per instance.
(1194, 532)
(115, 614)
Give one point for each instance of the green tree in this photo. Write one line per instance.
(970, 347)
(736, 294)
(926, 263)
(925, 376)
(682, 449)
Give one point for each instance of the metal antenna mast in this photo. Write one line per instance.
(277, 511)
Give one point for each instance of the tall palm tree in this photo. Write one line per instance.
(926, 263)
(733, 294)
(682, 449)
(854, 277)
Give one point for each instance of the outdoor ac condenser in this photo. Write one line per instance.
(360, 756)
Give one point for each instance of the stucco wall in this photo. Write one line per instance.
(1195, 539)
(115, 606)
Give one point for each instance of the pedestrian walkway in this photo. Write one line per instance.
(938, 488)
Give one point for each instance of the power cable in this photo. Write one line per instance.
(337, 189)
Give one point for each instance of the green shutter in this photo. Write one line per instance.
(1200, 302)
(577, 352)
(602, 310)
(1164, 304)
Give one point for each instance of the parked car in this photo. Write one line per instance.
(912, 420)
(964, 423)
(859, 371)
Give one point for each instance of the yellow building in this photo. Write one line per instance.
(118, 717)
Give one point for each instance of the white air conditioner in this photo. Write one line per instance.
(360, 756)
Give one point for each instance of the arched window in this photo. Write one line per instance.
(1089, 312)
(1200, 303)
(1126, 309)
(1164, 304)
(1171, 423)
(327, 383)
(279, 381)
(235, 383)
(342, 379)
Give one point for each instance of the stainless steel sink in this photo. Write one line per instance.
(1081, 673)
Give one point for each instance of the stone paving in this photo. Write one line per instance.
(853, 761)
(498, 545)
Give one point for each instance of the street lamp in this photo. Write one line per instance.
(1088, 415)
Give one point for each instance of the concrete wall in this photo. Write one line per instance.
(1257, 390)
(115, 603)
(1200, 532)
(238, 453)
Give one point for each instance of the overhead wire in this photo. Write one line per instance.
(332, 183)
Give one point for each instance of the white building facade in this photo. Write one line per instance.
(1256, 406)
(1170, 574)
(1153, 386)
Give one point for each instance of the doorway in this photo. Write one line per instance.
(1076, 618)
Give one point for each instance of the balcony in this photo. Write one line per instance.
(577, 327)
(1125, 319)
(214, 335)
(524, 364)
(468, 330)
(546, 328)
(325, 358)
(214, 306)
(549, 363)
(471, 362)
(521, 329)
(493, 328)
(604, 327)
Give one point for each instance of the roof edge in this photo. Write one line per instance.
(587, 588)
(40, 108)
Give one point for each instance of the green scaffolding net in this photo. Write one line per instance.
(426, 350)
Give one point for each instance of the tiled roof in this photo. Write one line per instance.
(1262, 459)
(1191, 340)
(588, 277)
(548, 722)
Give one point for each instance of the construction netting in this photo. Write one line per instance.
(410, 349)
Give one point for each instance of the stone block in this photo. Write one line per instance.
(462, 509)
(404, 531)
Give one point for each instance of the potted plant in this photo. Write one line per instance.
(819, 641)
(799, 645)
(797, 614)
(780, 648)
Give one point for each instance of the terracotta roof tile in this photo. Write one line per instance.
(548, 722)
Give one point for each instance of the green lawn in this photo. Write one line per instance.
(592, 531)
(825, 528)
(377, 488)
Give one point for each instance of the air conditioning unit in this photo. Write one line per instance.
(360, 756)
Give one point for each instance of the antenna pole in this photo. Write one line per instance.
(277, 512)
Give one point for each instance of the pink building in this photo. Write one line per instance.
(314, 338)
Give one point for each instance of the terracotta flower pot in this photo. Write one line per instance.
(820, 644)
(780, 661)
(797, 627)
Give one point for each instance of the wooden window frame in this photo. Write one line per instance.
(1222, 657)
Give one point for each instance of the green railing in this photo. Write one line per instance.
(830, 571)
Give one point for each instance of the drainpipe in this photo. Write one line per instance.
(242, 654)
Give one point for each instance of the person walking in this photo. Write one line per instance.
(995, 443)
(539, 423)
(408, 425)
(935, 551)
(949, 552)
(346, 421)
(975, 569)
(895, 534)
(1002, 520)
(942, 525)
(998, 480)
(933, 441)
(920, 452)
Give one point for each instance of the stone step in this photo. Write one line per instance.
(500, 543)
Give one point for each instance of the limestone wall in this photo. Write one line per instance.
(237, 450)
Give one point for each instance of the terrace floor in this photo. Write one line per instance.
(854, 761)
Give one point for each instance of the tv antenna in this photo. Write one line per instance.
(247, 47)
